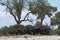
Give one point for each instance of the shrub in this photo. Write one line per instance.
(30, 29)
(45, 30)
(20, 29)
(4, 30)
(57, 31)
(17, 29)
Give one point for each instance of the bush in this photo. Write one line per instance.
(45, 30)
(4, 30)
(17, 29)
(31, 29)
(13, 30)
(57, 31)
(20, 29)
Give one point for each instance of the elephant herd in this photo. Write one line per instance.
(44, 30)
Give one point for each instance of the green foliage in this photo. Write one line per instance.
(17, 29)
(53, 21)
(57, 16)
(41, 8)
(57, 31)
(13, 30)
(4, 30)
(45, 30)
(15, 7)
(38, 24)
(56, 19)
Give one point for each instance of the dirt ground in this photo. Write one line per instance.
(25, 37)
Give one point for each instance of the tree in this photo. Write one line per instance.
(41, 8)
(56, 19)
(57, 16)
(4, 30)
(15, 8)
(17, 29)
(53, 21)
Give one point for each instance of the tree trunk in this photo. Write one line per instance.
(41, 21)
(18, 22)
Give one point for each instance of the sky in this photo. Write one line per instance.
(7, 19)
(55, 3)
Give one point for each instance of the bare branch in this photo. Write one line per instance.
(13, 15)
(5, 5)
(27, 18)
(10, 10)
(27, 15)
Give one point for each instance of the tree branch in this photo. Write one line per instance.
(13, 15)
(5, 5)
(26, 15)
(25, 18)
(10, 10)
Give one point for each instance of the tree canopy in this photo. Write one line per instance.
(56, 19)
(42, 8)
(15, 8)
(36, 7)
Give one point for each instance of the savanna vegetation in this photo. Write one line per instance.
(21, 30)
(39, 8)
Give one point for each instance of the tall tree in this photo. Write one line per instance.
(56, 20)
(15, 8)
(41, 8)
